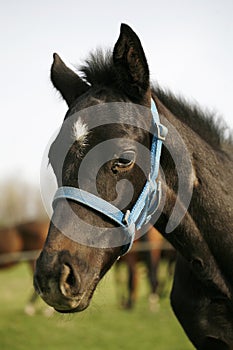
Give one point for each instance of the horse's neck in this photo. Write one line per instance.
(206, 229)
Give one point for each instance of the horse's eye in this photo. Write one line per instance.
(124, 161)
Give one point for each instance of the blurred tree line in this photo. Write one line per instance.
(20, 201)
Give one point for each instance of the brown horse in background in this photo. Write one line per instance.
(23, 243)
(150, 250)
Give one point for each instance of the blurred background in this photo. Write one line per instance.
(189, 47)
(188, 44)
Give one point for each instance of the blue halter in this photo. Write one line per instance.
(147, 202)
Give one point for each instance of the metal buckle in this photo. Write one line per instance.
(162, 132)
(126, 218)
(155, 199)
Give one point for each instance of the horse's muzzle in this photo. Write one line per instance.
(58, 283)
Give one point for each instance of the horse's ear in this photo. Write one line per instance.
(66, 81)
(131, 64)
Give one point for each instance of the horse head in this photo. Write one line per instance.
(98, 150)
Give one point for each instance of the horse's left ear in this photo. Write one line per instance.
(131, 64)
(67, 82)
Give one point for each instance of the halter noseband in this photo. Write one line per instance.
(148, 200)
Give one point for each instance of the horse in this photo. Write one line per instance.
(23, 243)
(111, 111)
(146, 249)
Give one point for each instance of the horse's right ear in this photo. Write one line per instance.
(67, 82)
(131, 64)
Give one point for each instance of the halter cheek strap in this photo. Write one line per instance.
(147, 202)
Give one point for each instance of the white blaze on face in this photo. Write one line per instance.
(80, 132)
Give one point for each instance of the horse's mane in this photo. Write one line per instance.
(207, 124)
(98, 69)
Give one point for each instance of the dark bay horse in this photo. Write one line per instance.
(195, 213)
(23, 243)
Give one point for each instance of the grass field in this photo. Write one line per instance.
(101, 327)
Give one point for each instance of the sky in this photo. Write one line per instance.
(188, 44)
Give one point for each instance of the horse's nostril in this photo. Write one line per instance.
(69, 281)
(70, 278)
(67, 275)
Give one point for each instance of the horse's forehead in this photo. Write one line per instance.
(91, 113)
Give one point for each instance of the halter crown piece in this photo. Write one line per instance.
(148, 200)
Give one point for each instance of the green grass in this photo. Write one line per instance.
(103, 326)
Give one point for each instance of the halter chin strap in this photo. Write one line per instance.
(147, 202)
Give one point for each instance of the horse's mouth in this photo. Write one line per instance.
(79, 308)
(68, 305)
(64, 304)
